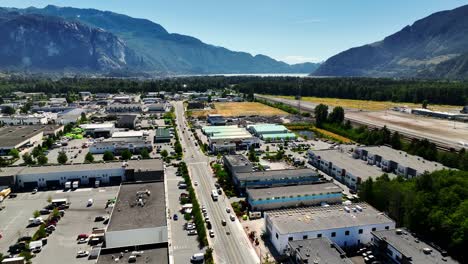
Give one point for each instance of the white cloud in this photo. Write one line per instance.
(293, 59)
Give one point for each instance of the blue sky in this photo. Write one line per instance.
(293, 31)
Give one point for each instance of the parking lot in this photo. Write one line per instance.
(62, 245)
(74, 151)
(183, 246)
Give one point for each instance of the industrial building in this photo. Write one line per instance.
(126, 108)
(402, 248)
(228, 138)
(70, 116)
(271, 132)
(396, 161)
(316, 250)
(98, 130)
(237, 163)
(438, 114)
(273, 178)
(127, 121)
(33, 119)
(55, 176)
(137, 223)
(261, 199)
(343, 167)
(19, 137)
(347, 226)
(216, 120)
(162, 135)
(157, 108)
(118, 145)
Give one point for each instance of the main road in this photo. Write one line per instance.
(230, 243)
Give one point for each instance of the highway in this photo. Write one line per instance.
(438, 131)
(228, 248)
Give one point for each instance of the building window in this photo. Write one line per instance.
(319, 235)
(333, 234)
(373, 229)
(387, 227)
(346, 233)
(277, 236)
(305, 237)
(290, 238)
(360, 231)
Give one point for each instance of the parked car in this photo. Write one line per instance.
(228, 210)
(82, 254)
(99, 218)
(82, 236)
(34, 191)
(211, 233)
(175, 217)
(44, 211)
(232, 217)
(192, 232)
(223, 222)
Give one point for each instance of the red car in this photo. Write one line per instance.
(82, 236)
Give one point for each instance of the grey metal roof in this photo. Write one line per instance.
(10, 136)
(412, 247)
(149, 254)
(319, 250)
(127, 214)
(237, 160)
(344, 160)
(276, 174)
(140, 236)
(404, 158)
(263, 193)
(323, 218)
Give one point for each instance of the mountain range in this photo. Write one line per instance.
(433, 47)
(72, 39)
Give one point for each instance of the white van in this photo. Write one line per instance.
(197, 257)
(90, 203)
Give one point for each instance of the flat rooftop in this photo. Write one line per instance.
(276, 174)
(10, 136)
(268, 128)
(129, 214)
(124, 134)
(98, 126)
(407, 245)
(279, 135)
(263, 193)
(404, 158)
(317, 218)
(147, 164)
(237, 160)
(354, 166)
(319, 250)
(158, 255)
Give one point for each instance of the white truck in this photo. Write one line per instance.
(68, 185)
(76, 184)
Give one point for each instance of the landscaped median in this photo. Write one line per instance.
(196, 210)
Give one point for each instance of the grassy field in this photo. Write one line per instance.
(370, 105)
(320, 132)
(240, 109)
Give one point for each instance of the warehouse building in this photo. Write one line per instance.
(271, 132)
(19, 137)
(126, 108)
(347, 226)
(216, 120)
(396, 161)
(157, 108)
(24, 177)
(228, 138)
(316, 250)
(237, 163)
(273, 178)
(343, 167)
(98, 130)
(118, 145)
(401, 247)
(162, 135)
(261, 199)
(127, 121)
(34, 119)
(137, 223)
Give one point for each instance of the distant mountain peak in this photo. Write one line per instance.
(414, 49)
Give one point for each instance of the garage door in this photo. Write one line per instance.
(53, 184)
(115, 180)
(29, 185)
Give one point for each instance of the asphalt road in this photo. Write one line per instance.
(232, 248)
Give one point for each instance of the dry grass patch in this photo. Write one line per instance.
(369, 105)
(241, 109)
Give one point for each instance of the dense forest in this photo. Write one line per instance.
(435, 92)
(434, 206)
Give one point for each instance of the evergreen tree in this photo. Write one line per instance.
(62, 158)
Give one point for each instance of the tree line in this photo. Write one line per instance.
(434, 206)
(377, 89)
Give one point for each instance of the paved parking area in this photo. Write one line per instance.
(62, 246)
(14, 218)
(183, 246)
(73, 149)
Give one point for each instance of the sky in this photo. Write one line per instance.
(294, 31)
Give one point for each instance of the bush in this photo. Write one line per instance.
(62, 158)
(89, 157)
(108, 156)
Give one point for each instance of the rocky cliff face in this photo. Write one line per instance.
(38, 42)
(415, 50)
